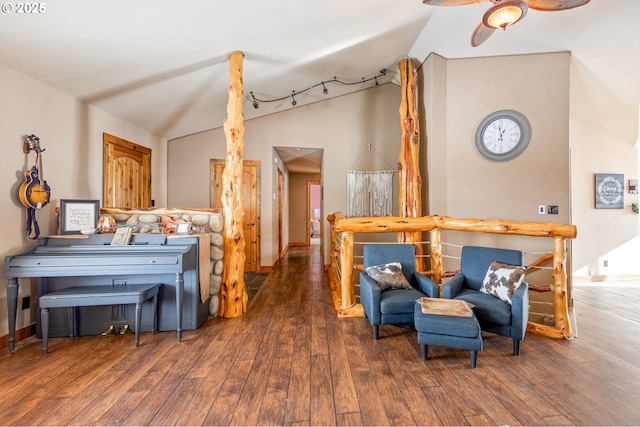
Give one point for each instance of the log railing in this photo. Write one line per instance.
(342, 238)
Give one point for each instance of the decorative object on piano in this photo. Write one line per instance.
(183, 228)
(34, 193)
(79, 216)
(106, 224)
(122, 236)
(168, 223)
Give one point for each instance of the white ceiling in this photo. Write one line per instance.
(163, 65)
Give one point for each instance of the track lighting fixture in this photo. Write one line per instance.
(255, 101)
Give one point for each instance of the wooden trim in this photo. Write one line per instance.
(607, 278)
(21, 335)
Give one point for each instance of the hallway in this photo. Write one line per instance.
(291, 361)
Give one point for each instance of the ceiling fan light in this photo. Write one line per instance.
(505, 13)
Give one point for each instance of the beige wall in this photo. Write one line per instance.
(343, 126)
(71, 133)
(459, 94)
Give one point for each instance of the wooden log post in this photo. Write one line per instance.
(346, 270)
(560, 301)
(410, 188)
(233, 295)
(435, 241)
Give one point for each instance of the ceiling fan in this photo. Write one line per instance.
(504, 13)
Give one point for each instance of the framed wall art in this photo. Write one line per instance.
(609, 191)
(78, 215)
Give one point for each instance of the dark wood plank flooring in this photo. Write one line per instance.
(291, 361)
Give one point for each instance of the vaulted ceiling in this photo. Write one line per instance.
(163, 65)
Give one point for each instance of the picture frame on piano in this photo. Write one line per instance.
(77, 215)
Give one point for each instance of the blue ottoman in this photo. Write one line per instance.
(448, 331)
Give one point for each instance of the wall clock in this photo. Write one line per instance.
(503, 135)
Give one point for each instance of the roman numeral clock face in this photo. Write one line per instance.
(503, 135)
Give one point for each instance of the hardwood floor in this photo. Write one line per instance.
(291, 361)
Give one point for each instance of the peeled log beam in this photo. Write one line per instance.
(233, 295)
(503, 226)
(410, 185)
(391, 224)
(410, 202)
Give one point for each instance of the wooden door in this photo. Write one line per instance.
(126, 174)
(250, 191)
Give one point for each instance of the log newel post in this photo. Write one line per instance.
(233, 295)
(346, 263)
(410, 182)
(560, 300)
(436, 255)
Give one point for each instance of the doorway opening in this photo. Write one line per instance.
(314, 197)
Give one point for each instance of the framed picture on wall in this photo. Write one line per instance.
(78, 215)
(609, 191)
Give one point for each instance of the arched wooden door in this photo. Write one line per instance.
(126, 174)
(250, 189)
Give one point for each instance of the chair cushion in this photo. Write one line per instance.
(398, 301)
(388, 276)
(487, 307)
(501, 280)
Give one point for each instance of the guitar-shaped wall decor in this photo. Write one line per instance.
(34, 193)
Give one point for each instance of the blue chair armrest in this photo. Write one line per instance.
(520, 311)
(425, 284)
(452, 287)
(370, 298)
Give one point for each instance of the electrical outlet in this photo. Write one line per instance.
(541, 209)
(552, 210)
(606, 263)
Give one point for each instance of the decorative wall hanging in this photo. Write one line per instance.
(609, 191)
(369, 193)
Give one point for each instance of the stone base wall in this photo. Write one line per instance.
(209, 221)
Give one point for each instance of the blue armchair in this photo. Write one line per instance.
(494, 315)
(393, 306)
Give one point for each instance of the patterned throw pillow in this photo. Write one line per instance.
(388, 276)
(502, 280)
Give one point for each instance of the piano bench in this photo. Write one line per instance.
(82, 296)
